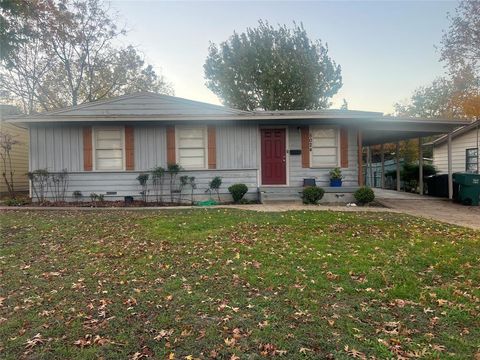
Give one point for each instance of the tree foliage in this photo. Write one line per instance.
(431, 101)
(458, 94)
(71, 58)
(461, 43)
(13, 31)
(273, 69)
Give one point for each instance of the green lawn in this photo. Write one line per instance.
(232, 284)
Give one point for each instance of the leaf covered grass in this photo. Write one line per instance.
(231, 284)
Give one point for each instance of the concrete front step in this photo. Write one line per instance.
(269, 194)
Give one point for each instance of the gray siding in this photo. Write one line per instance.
(56, 148)
(150, 144)
(297, 173)
(237, 146)
(125, 183)
(61, 147)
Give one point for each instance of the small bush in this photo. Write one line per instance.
(77, 195)
(214, 186)
(238, 191)
(364, 195)
(312, 194)
(143, 178)
(18, 201)
(143, 181)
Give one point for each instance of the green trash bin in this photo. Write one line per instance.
(468, 188)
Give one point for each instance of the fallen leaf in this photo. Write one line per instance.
(36, 340)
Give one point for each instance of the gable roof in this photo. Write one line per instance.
(460, 131)
(146, 106)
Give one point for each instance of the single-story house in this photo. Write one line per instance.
(18, 153)
(465, 154)
(105, 145)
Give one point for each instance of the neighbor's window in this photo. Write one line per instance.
(191, 147)
(108, 145)
(471, 163)
(324, 145)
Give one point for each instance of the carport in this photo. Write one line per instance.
(386, 129)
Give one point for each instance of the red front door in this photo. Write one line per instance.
(274, 170)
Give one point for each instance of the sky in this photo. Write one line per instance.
(386, 48)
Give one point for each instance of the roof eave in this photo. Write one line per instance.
(466, 128)
(226, 117)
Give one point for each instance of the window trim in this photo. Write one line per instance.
(475, 158)
(324, 166)
(94, 147)
(205, 145)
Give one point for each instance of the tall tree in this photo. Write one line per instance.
(273, 69)
(431, 101)
(458, 94)
(461, 43)
(71, 58)
(13, 31)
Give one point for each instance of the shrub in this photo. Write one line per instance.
(312, 194)
(214, 186)
(97, 198)
(143, 181)
(17, 201)
(59, 185)
(183, 182)
(193, 186)
(77, 195)
(40, 183)
(364, 195)
(411, 172)
(238, 191)
(93, 197)
(173, 170)
(158, 177)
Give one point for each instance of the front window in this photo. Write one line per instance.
(471, 163)
(192, 147)
(324, 146)
(109, 148)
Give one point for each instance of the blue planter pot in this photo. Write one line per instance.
(335, 182)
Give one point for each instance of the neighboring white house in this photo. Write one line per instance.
(465, 154)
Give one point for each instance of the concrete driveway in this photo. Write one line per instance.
(430, 207)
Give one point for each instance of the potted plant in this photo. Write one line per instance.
(336, 177)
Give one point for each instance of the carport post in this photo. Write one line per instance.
(420, 165)
(382, 159)
(450, 174)
(360, 158)
(372, 174)
(369, 167)
(397, 154)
